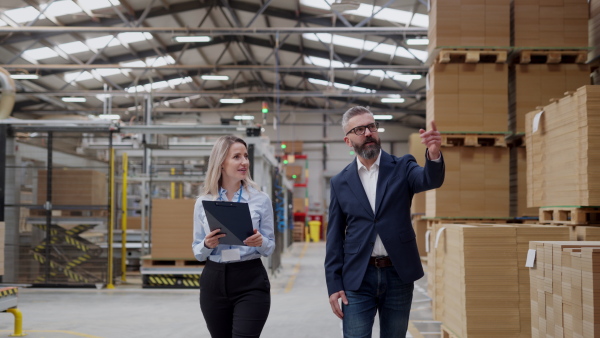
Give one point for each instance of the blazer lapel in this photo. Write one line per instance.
(356, 187)
(386, 165)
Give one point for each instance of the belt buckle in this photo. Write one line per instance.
(379, 260)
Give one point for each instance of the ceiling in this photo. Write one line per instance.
(279, 52)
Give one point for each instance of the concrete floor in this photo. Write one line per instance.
(300, 308)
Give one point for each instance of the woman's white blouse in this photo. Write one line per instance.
(261, 211)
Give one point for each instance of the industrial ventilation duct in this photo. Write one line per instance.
(7, 100)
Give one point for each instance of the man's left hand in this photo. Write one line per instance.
(433, 140)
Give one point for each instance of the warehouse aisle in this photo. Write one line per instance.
(299, 308)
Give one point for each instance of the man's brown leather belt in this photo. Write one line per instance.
(381, 262)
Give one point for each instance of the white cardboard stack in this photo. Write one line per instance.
(562, 156)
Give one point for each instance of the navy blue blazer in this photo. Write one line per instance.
(353, 226)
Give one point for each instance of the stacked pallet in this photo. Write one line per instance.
(480, 285)
(549, 40)
(594, 31)
(565, 289)
(562, 143)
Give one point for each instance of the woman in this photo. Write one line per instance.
(235, 293)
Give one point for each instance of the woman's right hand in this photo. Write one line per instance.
(212, 239)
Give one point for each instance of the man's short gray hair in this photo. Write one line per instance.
(350, 113)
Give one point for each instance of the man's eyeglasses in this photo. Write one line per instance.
(360, 130)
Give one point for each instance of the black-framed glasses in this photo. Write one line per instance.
(360, 130)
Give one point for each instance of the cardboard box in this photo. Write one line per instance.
(74, 187)
(172, 228)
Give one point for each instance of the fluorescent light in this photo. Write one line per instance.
(109, 117)
(192, 38)
(380, 130)
(231, 100)
(417, 42)
(25, 76)
(215, 77)
(243, 117)
(73, 99)
(383, 117)
(392, 100)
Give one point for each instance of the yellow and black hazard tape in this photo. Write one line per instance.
(9, 292)
(75, 276)
(79, 229)
(162, 280)
(79, 260)
(77, 243)
(172, 281)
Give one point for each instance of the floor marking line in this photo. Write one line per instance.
(290, 283)
(56, 331)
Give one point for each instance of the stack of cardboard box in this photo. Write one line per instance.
(562, 151)
(556, 31)
(469, 23)
(565, 289)
(417, 208)
(172, 229)
(480, 283)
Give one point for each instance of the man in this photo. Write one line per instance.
(372, 259)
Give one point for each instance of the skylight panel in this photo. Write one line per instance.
(24, 14)
(365, 10)
(74, 47)
(77, 76)
(158, 85)
(131, 37)
(108, 71)
(137, 63)
(40, 53)
(62, 7)
(101, 42)
(367, 45)
(98, 4)
(341, 86)
(325, 63)
(160, 61)
(3, 23)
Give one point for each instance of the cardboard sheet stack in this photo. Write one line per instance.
(480, 286)
(565, 289)
(417, 208)
(172, 229)
(562, 157)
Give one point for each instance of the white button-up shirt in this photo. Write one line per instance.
(368, 178)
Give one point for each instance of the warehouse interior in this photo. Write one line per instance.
(109, 110)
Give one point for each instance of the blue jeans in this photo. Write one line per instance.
(381, 290)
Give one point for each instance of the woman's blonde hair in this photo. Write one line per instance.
(214, 178)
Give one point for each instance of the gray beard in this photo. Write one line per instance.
(368, 152)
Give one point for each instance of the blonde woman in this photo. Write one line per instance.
(235, 293)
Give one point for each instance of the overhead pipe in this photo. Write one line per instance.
(7, 100)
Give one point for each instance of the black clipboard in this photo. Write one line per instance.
(232, 218)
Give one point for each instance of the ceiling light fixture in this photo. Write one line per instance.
(109, 117)
(392, 100)
(24, 76)
(243, 117)
(73, 99)
(417, 42)
(383, 117)
(214, 77)
(380, 130)
(192, 38)
(232, 101)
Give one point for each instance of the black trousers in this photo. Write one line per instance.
(235, 298)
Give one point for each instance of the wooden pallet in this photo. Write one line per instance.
(552, 56)
(474, 140)
(148, 262)
(447, 333)
(471, 56)
(570, 215)
(475, 220)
